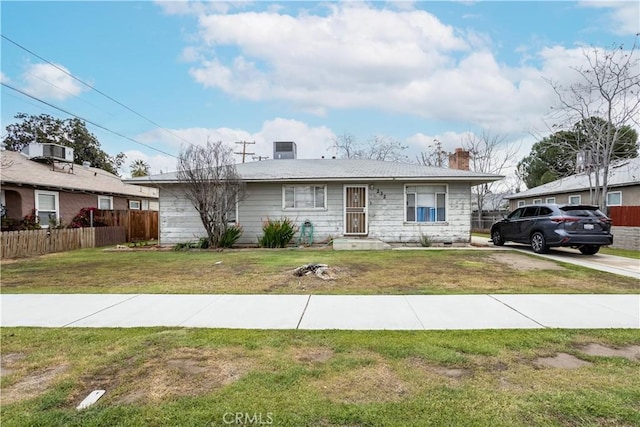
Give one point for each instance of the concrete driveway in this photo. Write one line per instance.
(612, 264)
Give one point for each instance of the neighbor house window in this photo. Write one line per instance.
(537, 201)
(425, 203)
(105, 202)
(614, 198)
(575, 200)
(550, 200)
(47, 207)
(135, 204)
(304, 196)
(521, 203)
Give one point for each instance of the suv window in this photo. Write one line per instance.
(545, 211)
(516, 214)
(530, 211)
(583, 211)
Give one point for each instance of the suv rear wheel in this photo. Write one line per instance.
(539, 243)
(589, 249)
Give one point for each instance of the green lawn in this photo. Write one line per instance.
(159, 376)
(261, 271)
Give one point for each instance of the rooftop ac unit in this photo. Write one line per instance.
(48, 151)
(284, 150)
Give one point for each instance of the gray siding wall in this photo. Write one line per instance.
(179, 221)
(630, 197)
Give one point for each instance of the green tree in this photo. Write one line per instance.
(139, 168)
(72, 133)
(555, 156)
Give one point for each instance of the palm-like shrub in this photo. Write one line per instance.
(277, 233)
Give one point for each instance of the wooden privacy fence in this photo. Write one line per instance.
(18, 244)
(625, 216)
(139, 225)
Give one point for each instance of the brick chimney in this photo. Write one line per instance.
(459, 160)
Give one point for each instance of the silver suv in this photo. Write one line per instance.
(548, 225)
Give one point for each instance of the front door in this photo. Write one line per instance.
(355, 210)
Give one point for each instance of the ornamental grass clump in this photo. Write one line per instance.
(277, 233)
(230, 236)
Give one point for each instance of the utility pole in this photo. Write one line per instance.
(244, 149)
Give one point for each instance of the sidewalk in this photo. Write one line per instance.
(353, 312)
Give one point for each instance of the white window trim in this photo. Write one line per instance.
(446, 204)
(614, 192)
(284, 201)
(56, 202)
(574, 195)
(139, 202)
(550, 200)
(521, 203)
(110, 198)
(537, 201)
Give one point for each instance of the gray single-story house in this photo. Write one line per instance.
(623, 188)
(391, 202)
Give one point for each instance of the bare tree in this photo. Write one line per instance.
(382, 148)
(491, 154)
(605, 102)
(434, 156)
(212, 184)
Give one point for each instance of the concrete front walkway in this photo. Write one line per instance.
(354, 312)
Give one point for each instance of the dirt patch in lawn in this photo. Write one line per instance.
(8, 362)
(33, 384)
(560, 360)
(523, 262)
(179, 372)
(313, 355)
(631, 352)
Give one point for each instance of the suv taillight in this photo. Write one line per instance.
(561, 219)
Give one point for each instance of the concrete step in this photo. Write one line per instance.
(353, 244)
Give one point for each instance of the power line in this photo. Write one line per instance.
(86, 120)
(93, 88)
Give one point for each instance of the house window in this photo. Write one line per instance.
(575, 200)
(521, 203)
(614, 198)
(135, 204)
(537, 201)
(47, 207)
(304, 196)
(105, 202)
(550, 200)
(426, 203)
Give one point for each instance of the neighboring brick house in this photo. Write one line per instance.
(58, 190)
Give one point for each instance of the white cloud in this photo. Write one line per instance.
(4, 78)
(623, 16)
(48, 82)
(360, 56)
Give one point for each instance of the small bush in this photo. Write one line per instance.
(425, 241)
(231, 236)
(277, 233)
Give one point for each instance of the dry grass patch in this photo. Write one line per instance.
(160, 376)
(376, 383)
(631, 352)
(312, 355)
(33, 384)
(522, 262)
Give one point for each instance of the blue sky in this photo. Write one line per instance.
(303, 71)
